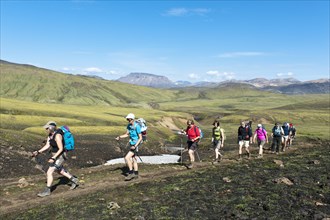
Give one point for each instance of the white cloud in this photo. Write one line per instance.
(93, 70)
(241, 54)
(98, 71)
(284, 74)
(193, 76)
(178, 12)
(219, 76)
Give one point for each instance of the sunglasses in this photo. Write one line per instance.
(129, 119)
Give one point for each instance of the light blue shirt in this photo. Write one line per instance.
(134, 132)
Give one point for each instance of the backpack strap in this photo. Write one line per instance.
(263, 131)
(196, 131)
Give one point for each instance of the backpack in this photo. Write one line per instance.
(277, 131)
(68, 138)
(143, 126)
(286, 130)
(201, 134)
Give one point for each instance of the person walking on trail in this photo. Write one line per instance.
(261, 135)
(292, 134)
(134, 133)
(277, 133)
(193, 136)
(55, 141)
(244, 138)
(285, 137)
(217, 140)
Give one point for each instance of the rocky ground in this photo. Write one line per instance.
(292, 185)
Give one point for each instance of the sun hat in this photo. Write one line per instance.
(130, 116)
(259, 125)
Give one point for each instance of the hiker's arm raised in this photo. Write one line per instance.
(45, 147)
(122, 136)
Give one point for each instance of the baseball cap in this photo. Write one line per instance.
(49, 124)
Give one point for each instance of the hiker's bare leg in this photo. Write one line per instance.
(50, 178)
(247, 150)
(128, 159)
(135, 164)
(260, 149)
(240, 147)
(191, 155)
(216, 153)
(65, 173)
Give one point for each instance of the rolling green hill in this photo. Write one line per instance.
(31, 83)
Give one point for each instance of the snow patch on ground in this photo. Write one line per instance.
(158, 159)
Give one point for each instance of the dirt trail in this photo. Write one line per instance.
(93, 179)
(111, 178)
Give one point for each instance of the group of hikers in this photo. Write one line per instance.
(55, 142)
(281, 135)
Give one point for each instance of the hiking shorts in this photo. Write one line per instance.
(261, 143)
(285, 138)
(136, 150)
(192, 145)
(217, 144)
(245, 143)
(58, 164)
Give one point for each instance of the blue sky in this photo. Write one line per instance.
(183, 40)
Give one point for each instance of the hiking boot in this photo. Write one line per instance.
(74, 183)
(190, 166)
(130, 177)
(249, 155)
(44, 193)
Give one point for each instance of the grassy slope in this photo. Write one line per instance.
(42, 85)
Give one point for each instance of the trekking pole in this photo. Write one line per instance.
(136, 153)
(199, 159)
(181, 149)
(39, 162)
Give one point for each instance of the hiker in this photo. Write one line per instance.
(292, 134)
(193, 135)
(260, 134)
(244, 138)
(55, 141)
(134, 133)
(285, 137)
(277, 133)
(217, 140)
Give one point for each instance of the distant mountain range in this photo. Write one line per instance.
(147, 79)
(43, 85)
(284, 85)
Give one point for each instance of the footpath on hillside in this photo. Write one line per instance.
(20, 195)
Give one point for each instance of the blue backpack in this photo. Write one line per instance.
(201, 134)
(68, 138)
